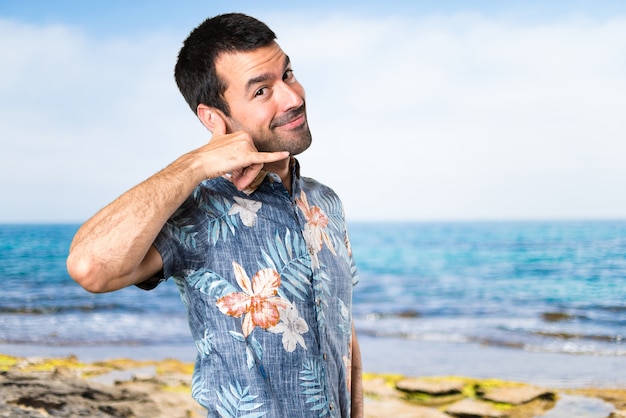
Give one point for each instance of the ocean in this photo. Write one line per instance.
(432, 298)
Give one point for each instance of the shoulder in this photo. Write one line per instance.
(310, 185)
(208, 190)
(322, 196)
(209, 199)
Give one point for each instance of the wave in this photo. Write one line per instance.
(565, 346)
(50, 310)
(561, 316)
(512, 333)
(578, 336)
(612, 316)
(407, 313)
(403, 335)
(54, 342)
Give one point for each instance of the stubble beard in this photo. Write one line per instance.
(296, 141)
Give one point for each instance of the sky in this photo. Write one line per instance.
(420, 110)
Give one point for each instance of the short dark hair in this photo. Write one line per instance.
(195, 71)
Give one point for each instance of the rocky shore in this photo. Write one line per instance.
(65, 387)
(39, 387)
(462, 397)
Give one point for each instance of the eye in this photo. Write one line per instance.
(288, 76)
(260, 92)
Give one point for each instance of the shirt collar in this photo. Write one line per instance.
(258, 180)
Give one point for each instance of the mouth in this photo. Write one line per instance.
(295, 123)
(292, 120)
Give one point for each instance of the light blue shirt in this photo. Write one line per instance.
(267, 279)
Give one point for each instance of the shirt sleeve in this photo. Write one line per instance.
(151, 283)
(161, 246)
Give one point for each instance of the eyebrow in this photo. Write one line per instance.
(267, 76)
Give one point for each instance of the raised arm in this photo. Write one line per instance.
(114, 248)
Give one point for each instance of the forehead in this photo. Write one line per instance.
(240, 69)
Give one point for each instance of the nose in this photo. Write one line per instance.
(290, 96)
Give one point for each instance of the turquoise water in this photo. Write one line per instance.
(554, 287)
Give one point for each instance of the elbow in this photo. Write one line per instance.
(86, 273)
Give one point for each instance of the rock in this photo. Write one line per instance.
(44, 394)
(144, 377)
(398, 409)
(517, 395)
(430, 386)
(616, 397)
(58, 393)
(618, 414)
(379, 388)
(469, 408)
(557, 316)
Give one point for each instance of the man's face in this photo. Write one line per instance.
(265, 99)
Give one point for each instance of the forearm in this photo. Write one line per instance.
(112, 249)
(357, 380)
(108, 250)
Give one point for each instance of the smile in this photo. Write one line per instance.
(293, 119)
(294, 123)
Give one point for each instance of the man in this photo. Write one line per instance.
(260, 254)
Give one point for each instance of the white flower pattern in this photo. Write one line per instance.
(291, 326)
(246, 209)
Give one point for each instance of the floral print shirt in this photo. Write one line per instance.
(267, 279)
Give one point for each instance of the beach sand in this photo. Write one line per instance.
(432, 381)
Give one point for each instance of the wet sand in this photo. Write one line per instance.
(418, 358)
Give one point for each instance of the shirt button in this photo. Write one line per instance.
(324, 356)
(331, 406)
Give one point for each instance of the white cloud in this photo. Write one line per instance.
(445, 117)
(82, 119)
(464, 117)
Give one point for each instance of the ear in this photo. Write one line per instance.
(211, 118)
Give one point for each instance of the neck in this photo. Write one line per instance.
(283, 169)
